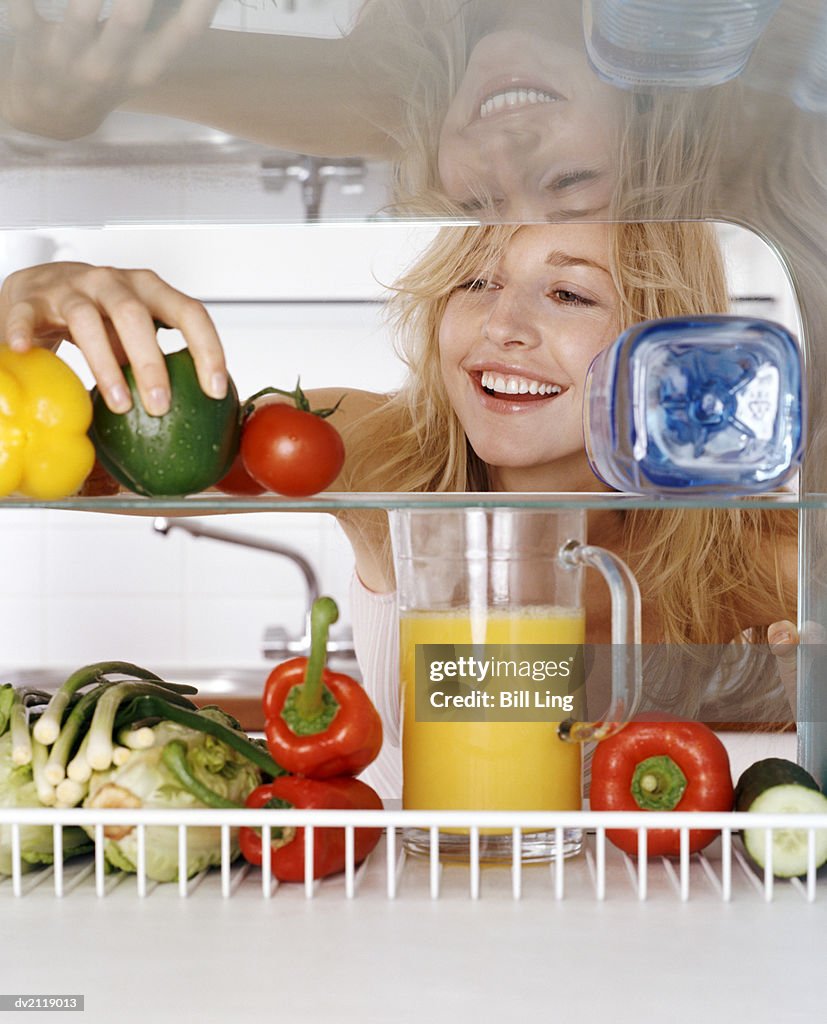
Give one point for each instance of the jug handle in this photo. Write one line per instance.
(626, 641)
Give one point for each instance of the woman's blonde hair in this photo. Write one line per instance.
(697, 567)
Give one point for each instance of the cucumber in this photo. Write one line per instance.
(772, 771)
(778, 786)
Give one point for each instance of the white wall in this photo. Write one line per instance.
(81, 587)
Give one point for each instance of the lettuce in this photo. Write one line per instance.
(145, 781)
(18, 789)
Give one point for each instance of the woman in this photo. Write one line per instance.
(498, 326)
(476, 104)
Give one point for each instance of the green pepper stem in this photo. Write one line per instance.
(322, 616)
(174, 756)
(658, 784)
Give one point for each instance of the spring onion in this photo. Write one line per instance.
(21, 738)
(99, 751)
(45, 790)
(47, 728)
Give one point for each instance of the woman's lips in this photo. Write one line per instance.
(506, 400)
(512, 94)
(509, 101)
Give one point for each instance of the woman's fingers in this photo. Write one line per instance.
(23, 16)
(192, 319)
(20, 326)
(119, 37)
(66, 75)
(782, 638)
(131, 301)
(111, 316)
(174, 35)
(85, 323)
(131, 317)
(77, 31)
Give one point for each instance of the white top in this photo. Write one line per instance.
(376, 641)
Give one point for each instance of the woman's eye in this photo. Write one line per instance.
(570, 298)
(568, 179)
(475, 284)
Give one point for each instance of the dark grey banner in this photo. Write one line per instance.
(742, 685)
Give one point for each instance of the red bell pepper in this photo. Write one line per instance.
(319, 723)
(661, 766)
(287, 844)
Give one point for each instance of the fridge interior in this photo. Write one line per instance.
(293, 251)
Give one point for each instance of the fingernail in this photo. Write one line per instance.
(781, 638)
(218, 385)
(158, 401)
(119, 400)
(17, 341)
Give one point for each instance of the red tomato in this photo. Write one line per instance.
(290, 451)
(238, 480)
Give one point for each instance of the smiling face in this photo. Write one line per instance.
(532, 130)
(515, 344)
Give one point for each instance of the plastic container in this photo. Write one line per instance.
(673, 43)
(705, 404)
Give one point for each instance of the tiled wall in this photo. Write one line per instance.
(81, 587)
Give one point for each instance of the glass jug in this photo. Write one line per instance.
(492, 635)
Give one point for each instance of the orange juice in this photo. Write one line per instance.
(487, 765)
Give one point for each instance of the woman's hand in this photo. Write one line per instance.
(64, 77)
(782, 638)
(109, 314)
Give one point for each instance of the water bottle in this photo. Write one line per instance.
(705, 404)
(673, 43)
(809, 90)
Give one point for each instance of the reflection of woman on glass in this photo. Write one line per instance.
(476, 103)
(498, 326)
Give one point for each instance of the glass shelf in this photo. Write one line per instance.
(335, 501)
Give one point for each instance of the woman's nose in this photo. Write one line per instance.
(505, 160)
(511, 321)
(498, 171)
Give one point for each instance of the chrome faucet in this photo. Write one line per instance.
(277, 643)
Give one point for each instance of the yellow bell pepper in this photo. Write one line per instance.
(45, 412)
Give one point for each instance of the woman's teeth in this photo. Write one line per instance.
(517, 385)
(514, 98)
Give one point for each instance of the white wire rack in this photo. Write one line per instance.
(722, 872)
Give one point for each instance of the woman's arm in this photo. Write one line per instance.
(323, 97)
(315, 96)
